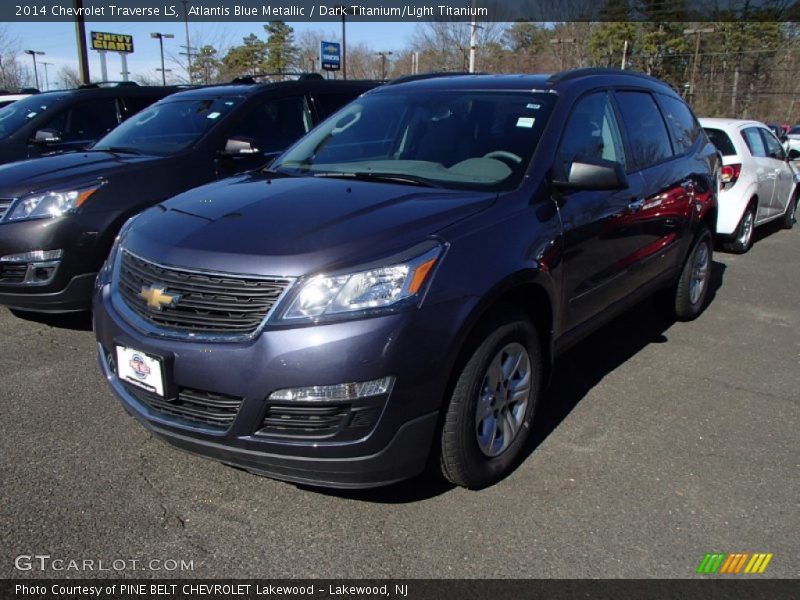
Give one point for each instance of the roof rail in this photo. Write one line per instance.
(585, 72)
(432, 75)
(107, 84)
(251, 79)
(29, 90)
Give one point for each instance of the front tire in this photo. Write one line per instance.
(491, 408)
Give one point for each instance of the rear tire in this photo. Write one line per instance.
(490, 411)
(743, 237)
(791, 210)
(685, 300)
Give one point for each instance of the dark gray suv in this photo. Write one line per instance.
(391, 292)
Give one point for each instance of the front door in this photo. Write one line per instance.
(597, 236)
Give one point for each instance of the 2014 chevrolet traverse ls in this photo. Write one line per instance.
(392, 290)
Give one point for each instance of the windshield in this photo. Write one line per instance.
(462, 139)
(16, 114)
(168, 126)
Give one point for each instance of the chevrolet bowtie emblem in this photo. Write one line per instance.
(156, 297)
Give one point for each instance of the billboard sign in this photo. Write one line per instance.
(112, 42)
(331, 56)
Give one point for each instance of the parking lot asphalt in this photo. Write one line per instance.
(656, 443)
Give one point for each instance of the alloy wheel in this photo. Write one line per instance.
(700, 271)
(504, 395)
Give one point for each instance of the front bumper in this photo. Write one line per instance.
(413, 346)
(75, 296)
(70, 287)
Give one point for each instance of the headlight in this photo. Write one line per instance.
(381, 287)
(49, 204)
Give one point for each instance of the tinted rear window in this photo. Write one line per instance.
(721, 140)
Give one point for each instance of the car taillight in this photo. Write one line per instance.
(729, 174)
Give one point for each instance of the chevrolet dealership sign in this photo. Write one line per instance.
(112, 42)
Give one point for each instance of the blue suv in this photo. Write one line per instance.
(391, 292)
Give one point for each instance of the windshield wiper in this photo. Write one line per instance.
(118, 150)
(389, 177)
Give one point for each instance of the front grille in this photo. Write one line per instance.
(316, 420)
(13, 273)
(208, 302)
(216, 411)
(5, 203)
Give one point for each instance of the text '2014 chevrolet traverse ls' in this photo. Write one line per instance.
(389, 295)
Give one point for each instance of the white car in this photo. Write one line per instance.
(6, 99)
(758, 182)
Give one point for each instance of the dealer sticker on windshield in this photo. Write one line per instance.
(526, 122)
(140, 369)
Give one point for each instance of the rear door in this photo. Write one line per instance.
(597, 228)
(657, 226)
(765, 171)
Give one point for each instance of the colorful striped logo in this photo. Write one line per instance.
(734, 563)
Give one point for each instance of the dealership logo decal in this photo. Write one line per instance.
(157, 298)
(140, 368)
(734, 563)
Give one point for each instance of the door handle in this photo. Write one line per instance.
(636, 205)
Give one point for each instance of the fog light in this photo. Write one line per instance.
(340, 391)
(33, 256)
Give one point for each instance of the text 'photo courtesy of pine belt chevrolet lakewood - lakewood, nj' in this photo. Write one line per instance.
(350, 283)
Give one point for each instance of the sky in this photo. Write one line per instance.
(57, 41)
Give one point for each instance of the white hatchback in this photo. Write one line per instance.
(758, 183)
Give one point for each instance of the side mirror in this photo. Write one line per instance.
(47, 136)
(595, 175)
(240, 146)
(793, 154)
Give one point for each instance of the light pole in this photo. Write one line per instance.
(696, 32)
(343, 9)
(160, 37)
(561, 42)
(188, 44)
(383, 56)
(46, 77)
(34, 54)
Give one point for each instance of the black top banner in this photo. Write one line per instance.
(400, 10)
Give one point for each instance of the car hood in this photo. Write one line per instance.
(294, 226)
(63, 170)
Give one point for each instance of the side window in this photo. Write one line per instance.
(328, 103)
(754, 141)
(682, 124)
(592, 133)
(774, 148)
(647, 134)
(276, 124)
(133, 104)
(86, 121)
